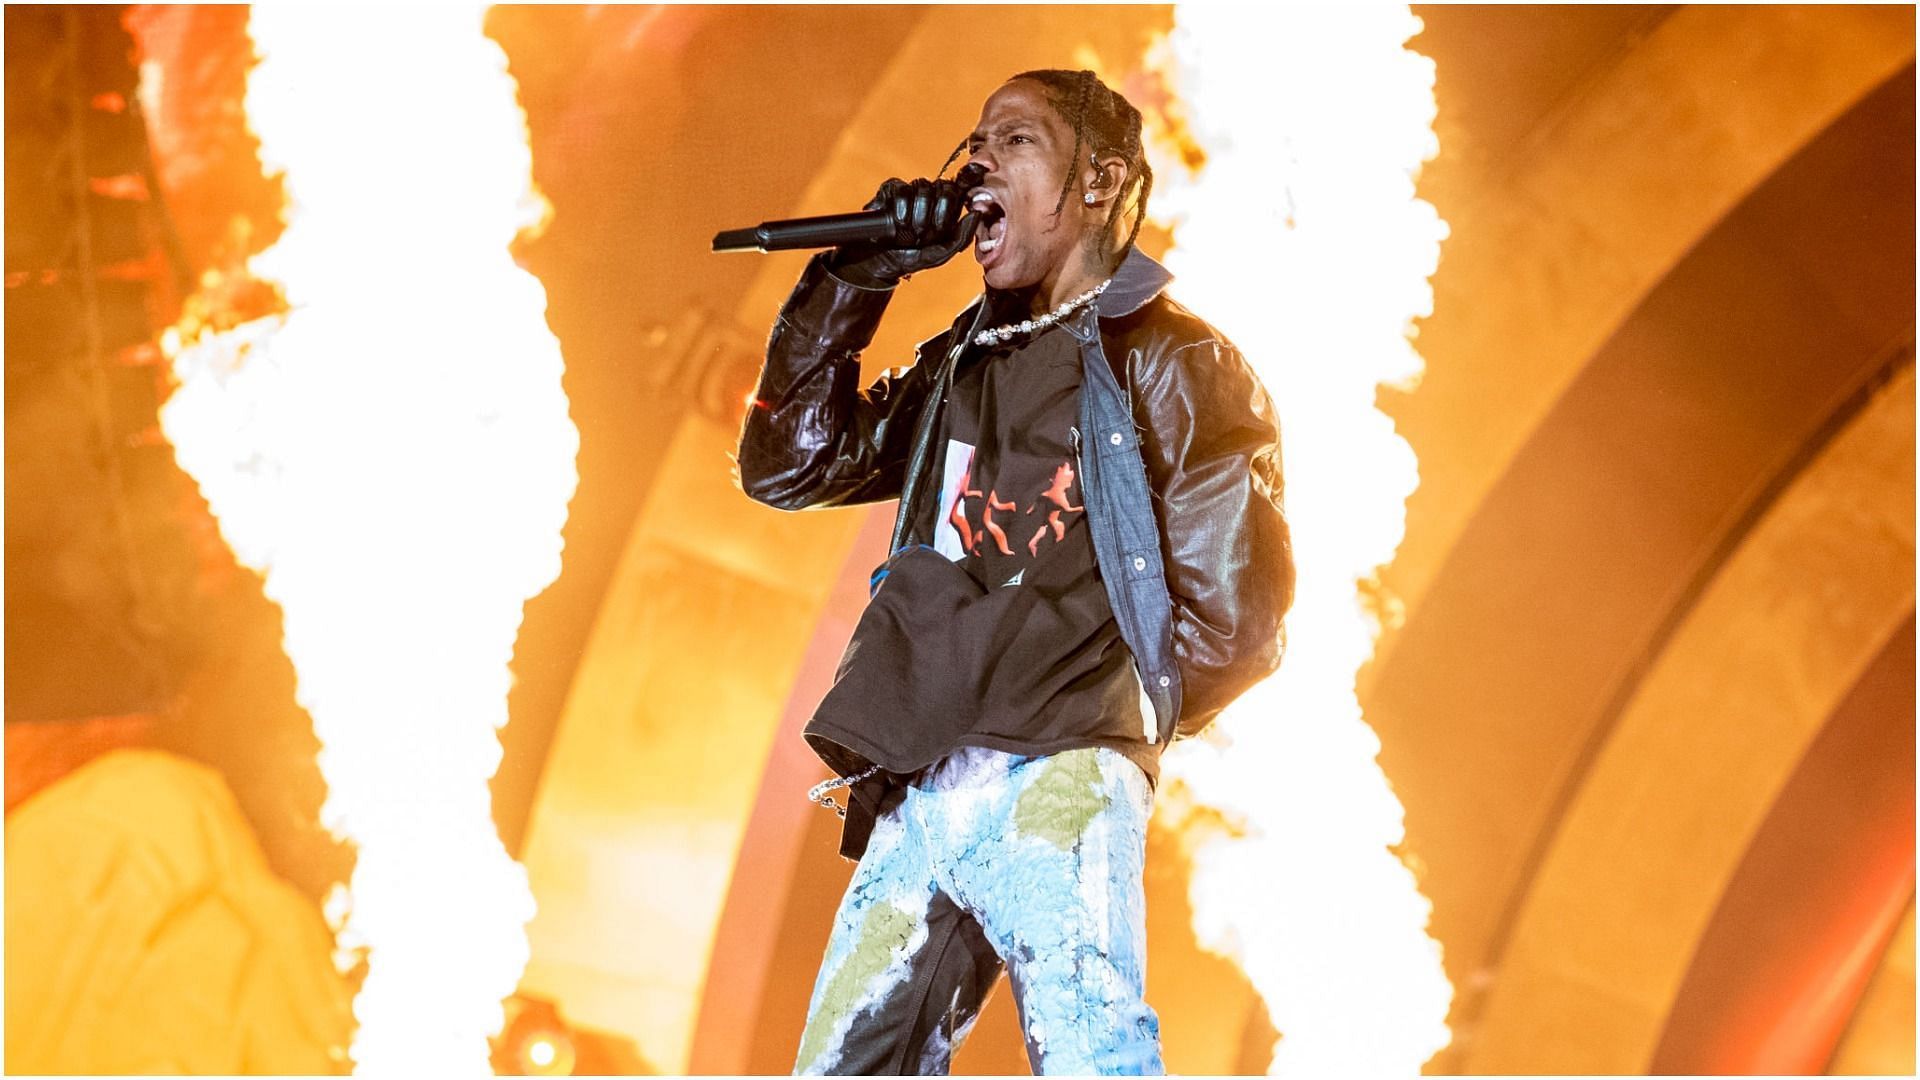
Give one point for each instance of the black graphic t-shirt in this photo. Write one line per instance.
(999, 634)
(1006, 498)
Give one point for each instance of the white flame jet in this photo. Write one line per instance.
(394, 455)
(1302, 239)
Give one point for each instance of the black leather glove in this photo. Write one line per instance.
(928, 229)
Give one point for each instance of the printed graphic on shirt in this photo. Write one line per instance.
(981, 518)
(946, 539)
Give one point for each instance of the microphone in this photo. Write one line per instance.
(827, 230)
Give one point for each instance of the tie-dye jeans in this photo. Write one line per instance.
(989, 861)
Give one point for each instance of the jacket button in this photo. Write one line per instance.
(1114, 438)
(1166, 681)
(1139, 563)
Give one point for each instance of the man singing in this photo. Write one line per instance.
(1090, 558)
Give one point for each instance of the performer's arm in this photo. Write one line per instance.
(1213, 456)
(812, 437)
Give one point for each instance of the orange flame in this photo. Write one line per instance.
(1300, 236)
(393, 453)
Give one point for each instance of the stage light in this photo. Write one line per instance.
(547, 1054)
(536, 1041)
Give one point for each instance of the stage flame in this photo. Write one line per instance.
(394, 455)
(1300, 236)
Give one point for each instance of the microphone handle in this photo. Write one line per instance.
(831, 230)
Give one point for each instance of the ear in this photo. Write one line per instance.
(1105, 177)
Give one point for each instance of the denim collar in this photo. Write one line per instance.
(1138, 280)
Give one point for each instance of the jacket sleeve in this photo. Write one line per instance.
(1213, 459)
(812, 437)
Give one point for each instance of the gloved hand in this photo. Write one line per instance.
(928, 229)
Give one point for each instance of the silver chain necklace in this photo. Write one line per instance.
(1000, 335)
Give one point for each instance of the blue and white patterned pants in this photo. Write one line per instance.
(995, 861)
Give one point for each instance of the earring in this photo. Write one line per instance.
(1088, 197)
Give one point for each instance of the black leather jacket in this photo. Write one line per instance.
(1198, 560)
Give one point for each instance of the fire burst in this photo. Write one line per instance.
(394, 455)
(1301, 237)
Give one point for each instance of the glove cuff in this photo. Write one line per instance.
(850, 273)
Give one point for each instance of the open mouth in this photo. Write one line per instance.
(993, 221)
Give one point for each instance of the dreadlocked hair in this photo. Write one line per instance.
(1105, 123)
(953, 157)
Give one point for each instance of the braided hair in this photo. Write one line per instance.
(1104, 122)
(1107, 124)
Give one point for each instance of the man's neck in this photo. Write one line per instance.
(1072, 281)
